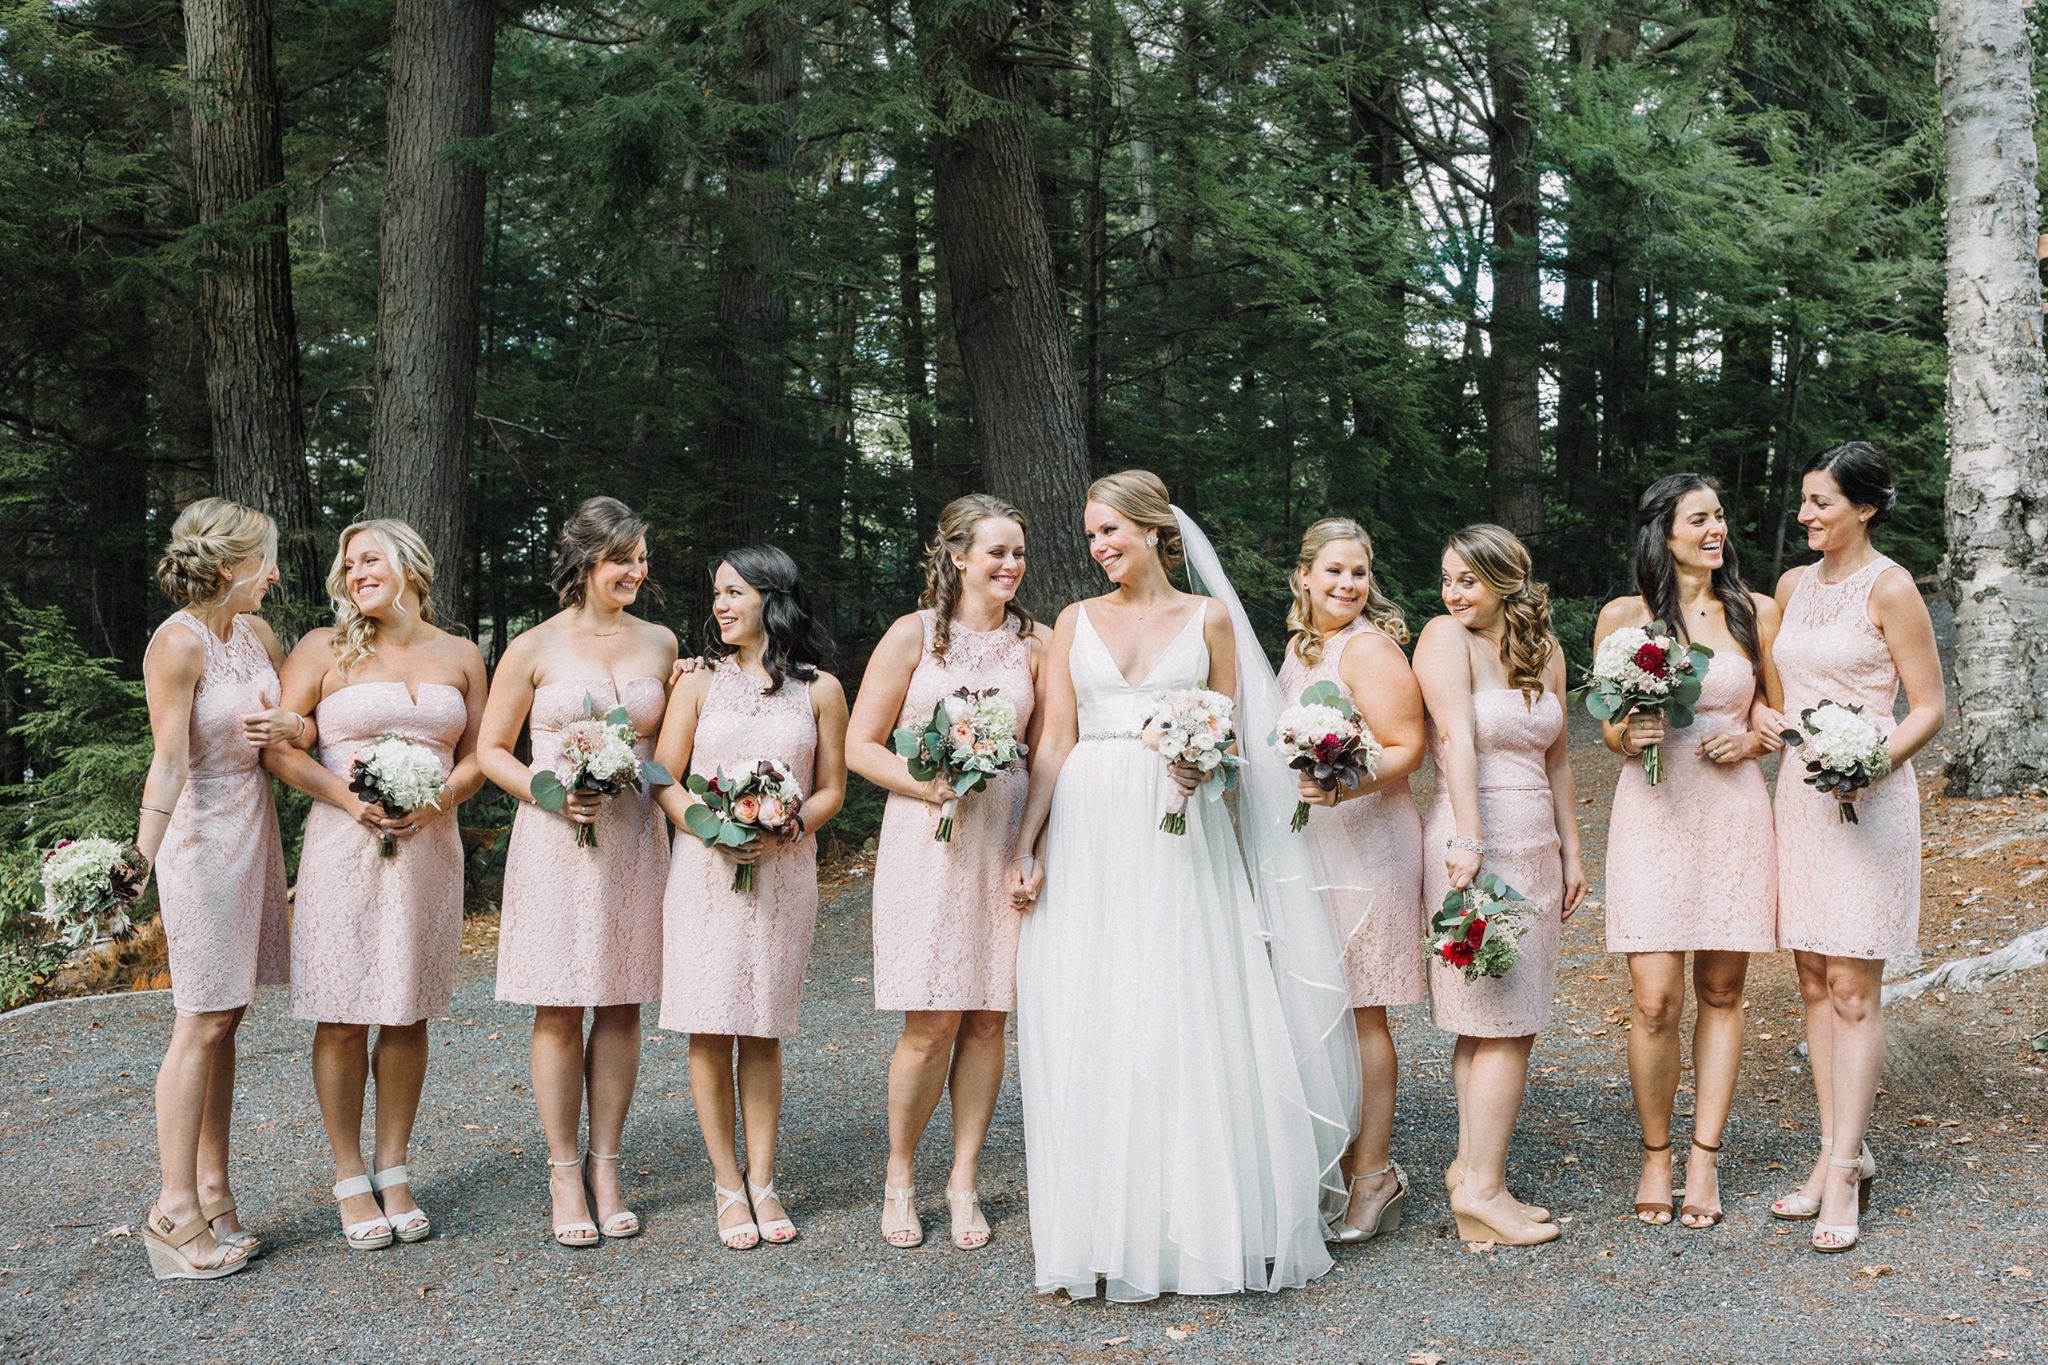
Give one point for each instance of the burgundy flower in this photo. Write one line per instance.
(1458, 953)
(1653, 661)
(1328, 748)
(1475, 931)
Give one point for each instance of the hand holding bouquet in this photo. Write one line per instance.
(732, 812)
(969, 737)
(1844, 752)
(399, 774)
(1646, 669)
(597, 756)
(87, 884)
(1325, 739)
(1479, 929)
(1193, 726)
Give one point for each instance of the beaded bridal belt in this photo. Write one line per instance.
(1111, 734)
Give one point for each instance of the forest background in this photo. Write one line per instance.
(804, 271)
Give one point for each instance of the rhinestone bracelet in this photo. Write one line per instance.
(1465, 842)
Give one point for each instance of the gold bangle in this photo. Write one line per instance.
(158, 809)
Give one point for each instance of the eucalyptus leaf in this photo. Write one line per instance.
(548, 792)
(654, 775)
(702, 822)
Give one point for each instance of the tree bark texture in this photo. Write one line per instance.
(1007, 316)
(430, 285)
(1998, 447)
(1514, 421)
(245, 287)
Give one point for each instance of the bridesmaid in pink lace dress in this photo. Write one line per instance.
(945, 934)
(1493, 680)
(732, 961)
(581, 927)
(1346, 631)
(208, 826)
(374, 938)
(1691, 864)
(1849, 895)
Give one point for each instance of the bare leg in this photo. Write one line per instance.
(341, 1070)
(612, 1069)
(711, 1087)
(558, 1093)
(977, 1081)
(1461, 1075)
(1657, 1001)
(917, 1080)
(1716, 1057)
(760, 1080)
(1855, 987)
(214, 1125)
(1370, 1151)
(1492, 1102)
(182, 1084)
(399, 1061)
(1813, 993)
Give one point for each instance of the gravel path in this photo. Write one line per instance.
(1958, 1233)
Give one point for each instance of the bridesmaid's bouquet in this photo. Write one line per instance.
(1193, 726)
(1646, 669)
(1845, 751)
(83, 881)
(399, 774)
(969, 738)
(1325, 738)
(763, 798)
(1479, 930)
(597, 756)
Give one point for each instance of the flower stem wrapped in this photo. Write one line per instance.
(1193, 726)
(1324, 738)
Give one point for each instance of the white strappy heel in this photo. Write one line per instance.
(372, 1234)
(580, 1233)
(775, 1230)
(740, 1236)
(411, 1226)
(624, 1223)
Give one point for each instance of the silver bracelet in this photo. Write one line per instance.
(1465, 842)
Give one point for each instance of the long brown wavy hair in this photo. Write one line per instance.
(1381, 610)
(1498, 559)
(955, 536)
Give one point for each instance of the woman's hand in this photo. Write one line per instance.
(1462, 866)
(277, 725)
(1026, 880)
(130, 878)
(1769, 727)
(583, 807)
(1643, 729)
(1315, 793)
(1728, 746)
(368, 814)
(683, 668)
(936, 791)
(1188, 777)
(742, 854)
(405, 826)
(1574, 885)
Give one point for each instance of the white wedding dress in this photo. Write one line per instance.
(1188, 1063)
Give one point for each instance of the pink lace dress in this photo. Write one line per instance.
(1521, 849)
(945, 933)
(375, 939)
(1844, 890)
(220, 870)
(1692, 862)
(733, 962)
(1369, 853)
(582, 926)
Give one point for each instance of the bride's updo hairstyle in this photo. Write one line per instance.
(955, 536)
(355, 635)
(208, 537)
(601, 529)
(1141, 495)
(1500, 561)
(797, 642)
(1382, 611)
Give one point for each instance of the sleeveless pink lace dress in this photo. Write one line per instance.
(733, 962)
(375, 939)
(1844, 890)
(582, 926)
(1369, 852)
(1521, 849)
(945, 933)
(220, 870)
(1692, 862)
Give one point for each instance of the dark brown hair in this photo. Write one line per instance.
(601, 529)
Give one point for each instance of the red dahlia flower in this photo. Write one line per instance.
(1475, 931)
(1653, 661)
(1459, 954)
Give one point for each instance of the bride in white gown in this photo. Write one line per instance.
(1189, 1068)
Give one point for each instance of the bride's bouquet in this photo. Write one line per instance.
(1646, 669)
(762, 798)
(1845, 751)
(399, 774)
(597, 756)
(1193, 726)
(1479, 930)
(1324, 737)
(968, 738)
(83, 881)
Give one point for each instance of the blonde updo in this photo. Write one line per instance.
(955, 536)
(1500, 561)
(1141, 495)
(1380, 610)
(601, 529)
(209, 536)
(355, 635)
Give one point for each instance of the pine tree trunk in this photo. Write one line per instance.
(245, 285)
(430, 288)
(1514, 419)
(1007, 316)
(1997, 443)
(917, 401)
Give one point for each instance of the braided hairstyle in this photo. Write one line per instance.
(1498, 559)
(955, 536)
(208, 536)
(1382, 611)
